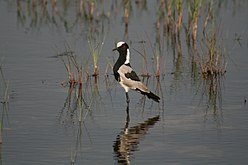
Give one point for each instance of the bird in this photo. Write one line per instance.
(126, 76)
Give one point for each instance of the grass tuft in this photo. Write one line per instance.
(95, 52)
(74, 70)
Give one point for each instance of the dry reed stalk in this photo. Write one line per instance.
(70, 75)
(72, 67)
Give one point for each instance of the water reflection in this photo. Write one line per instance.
(73, 107)
(77, 142)
(128, 139)
(212, 86)
(4, 85)
(80, 102)
(35, 14)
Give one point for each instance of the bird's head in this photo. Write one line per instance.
(121, 46)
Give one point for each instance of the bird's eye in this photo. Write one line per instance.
(123, 45)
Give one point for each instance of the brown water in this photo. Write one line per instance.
(41, 124)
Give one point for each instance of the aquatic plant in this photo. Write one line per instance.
(213, 63)
(179, 11)
(73, 68)
(194, 7)
(95, 52)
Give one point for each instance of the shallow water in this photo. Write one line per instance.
(41, 125)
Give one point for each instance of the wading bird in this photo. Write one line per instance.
(126, 76)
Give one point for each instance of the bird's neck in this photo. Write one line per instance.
(124, 57)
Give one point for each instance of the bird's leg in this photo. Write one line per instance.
(127, 97)
(127, 118)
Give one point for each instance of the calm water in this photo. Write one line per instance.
(41, 124)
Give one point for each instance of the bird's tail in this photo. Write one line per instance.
(153, 96)
(150, 95)
(145, 91)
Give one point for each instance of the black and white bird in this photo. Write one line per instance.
(126, 76)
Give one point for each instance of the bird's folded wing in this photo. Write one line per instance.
(130, 78)
(128, 72)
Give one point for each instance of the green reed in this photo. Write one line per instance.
(213, 63)
(95, 52)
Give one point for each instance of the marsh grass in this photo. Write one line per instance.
(95, 52)
(73, 68)
(179, 12)
(33, 14)
(213, 62)
(194, 9)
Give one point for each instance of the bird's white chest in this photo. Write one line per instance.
(127, 57)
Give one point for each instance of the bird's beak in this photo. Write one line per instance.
(114, 49)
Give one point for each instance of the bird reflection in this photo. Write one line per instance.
(127, 140)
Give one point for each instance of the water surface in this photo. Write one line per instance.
(42, 124)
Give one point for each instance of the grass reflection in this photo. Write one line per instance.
(79, 104)
(5, 105)
(78, 141)
(35, 14)
(210, 92)
(4, 101)
(213, 87)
